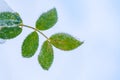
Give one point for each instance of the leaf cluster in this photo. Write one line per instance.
(11, 26)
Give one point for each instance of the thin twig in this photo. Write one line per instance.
(35, 30)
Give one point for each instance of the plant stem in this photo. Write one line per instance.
(35, 30)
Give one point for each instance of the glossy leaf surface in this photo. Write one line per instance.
(9, 25)
(47, 20)
(9, 19)
(64, 41)
(30, 45)
(46, 56)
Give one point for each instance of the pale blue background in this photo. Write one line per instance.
(97, 22)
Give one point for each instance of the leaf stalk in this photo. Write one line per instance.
(22, 25)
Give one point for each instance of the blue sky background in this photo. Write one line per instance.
(97, 22)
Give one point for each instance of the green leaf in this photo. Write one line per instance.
(9, 25)
(64, 41)
(46, 55)
(10, 32)
(9, 19)
(30, 45)
(47, 20)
